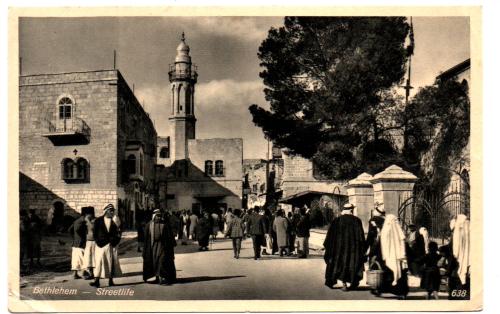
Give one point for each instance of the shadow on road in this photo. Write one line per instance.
(204, 278)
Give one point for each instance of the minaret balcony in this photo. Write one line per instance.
(67, 131)
(189, 73)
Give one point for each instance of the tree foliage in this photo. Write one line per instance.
(332, 87)
(326, 79)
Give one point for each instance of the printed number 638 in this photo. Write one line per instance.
(459, 293)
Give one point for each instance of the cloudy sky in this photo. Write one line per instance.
(224, 49)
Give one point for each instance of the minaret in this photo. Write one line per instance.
(183, 78)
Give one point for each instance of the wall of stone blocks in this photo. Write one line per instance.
(73, 200)
(95, 101)
(134, 124)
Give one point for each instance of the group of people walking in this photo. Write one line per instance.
(390, 251)
(386, 247)
(95, 245)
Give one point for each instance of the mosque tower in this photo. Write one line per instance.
(183, 77)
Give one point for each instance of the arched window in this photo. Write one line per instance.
(209, 168)
(72, 170)
(219, 168)
(67, 166)
(131, 164)
(65, 108)
(82, 167)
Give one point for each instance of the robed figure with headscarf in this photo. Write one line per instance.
(393, 253)
(107, 237)
(158, 253)
(345, 250)
(458, 256)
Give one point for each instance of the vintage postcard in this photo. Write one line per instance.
(245, 159)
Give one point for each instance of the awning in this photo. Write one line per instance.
(304, 195)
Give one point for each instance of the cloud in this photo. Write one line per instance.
(244, 28)
(221, 108)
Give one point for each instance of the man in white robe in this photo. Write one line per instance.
(107, 237)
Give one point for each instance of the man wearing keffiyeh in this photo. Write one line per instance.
(158, 253)
(107, 237)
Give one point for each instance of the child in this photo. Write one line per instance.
(431, 277)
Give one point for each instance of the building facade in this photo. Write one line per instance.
(84, 140)
(302, 185)
(195, 174)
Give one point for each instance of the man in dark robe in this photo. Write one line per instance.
(158, 253)
(415, 250)
(256, 228)
(345, 250)
(375, 225)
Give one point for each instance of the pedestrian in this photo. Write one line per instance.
(227, 217)
(425, 235)
(140, 223)
(292, 230)
(186, 222)
(344, 250)
(431, 277)
(392, 258)
(268, 227)
(34, 238)
(193, 225)
(303, 233)
(49, 219)
(375, 225)
(235, 230)
(255, 227)
(415, 245)
(78, 231)
(23, 235)
(89, 254)
(459, 276)
(203, 231)
(280, 226)
(158, 254)
(215, 224)
(107, 237)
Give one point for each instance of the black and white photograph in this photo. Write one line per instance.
(279, 158)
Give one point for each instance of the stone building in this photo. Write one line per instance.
(195, 174)
(459, 180)
(256, 173)
(84, 140)
(303, 185)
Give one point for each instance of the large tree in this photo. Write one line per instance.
(330, 82)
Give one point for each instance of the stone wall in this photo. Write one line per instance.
(95, 96)
(95, 100)
(298, 177)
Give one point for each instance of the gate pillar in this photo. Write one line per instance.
(392, 187)
(360, 192)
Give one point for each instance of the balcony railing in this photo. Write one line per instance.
(188, 74)
(68, 131)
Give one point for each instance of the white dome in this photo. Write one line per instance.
(183, 51)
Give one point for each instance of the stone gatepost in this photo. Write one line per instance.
(360, 192)
(392, 187)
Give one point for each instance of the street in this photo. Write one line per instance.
(214, 275)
